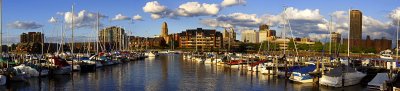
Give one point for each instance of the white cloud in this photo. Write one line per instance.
(376, 28)
(120, 17)
(25, 25)
(395, 15)
(294, 14)
(137, 17)
(306, 23)
(154, 7)
(196, 9)
(82, 19)
(52, 20)
(189, 9)
(216, 23)
(318, 37)
(302, 21)
(370, 26)
(228, 3)
(156, 10)
(234, 20)
(155, 16)
(60, 13)
(306, 14)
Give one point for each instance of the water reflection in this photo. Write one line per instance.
(166, 72)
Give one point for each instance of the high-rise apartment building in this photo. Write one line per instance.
(200, 39)
(32, 37)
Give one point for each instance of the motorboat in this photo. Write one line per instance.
(386, 54)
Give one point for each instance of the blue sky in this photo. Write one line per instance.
(41, 11)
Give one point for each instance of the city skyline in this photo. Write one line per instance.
(308, 19)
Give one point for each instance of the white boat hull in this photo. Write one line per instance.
(266, 71)
(350, 79)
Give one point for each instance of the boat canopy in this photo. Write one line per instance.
(84, 58)
(379, 79)
(306, 69)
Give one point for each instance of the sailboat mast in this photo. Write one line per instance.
(72, 34)
(62, 37)
(259, 49)
(123, 40)
(119, 39)
(397, 40)
(348, 40)
(97, 32)
(42, 41)
(196, 41)
(1, 26)
(284, 32)
(293, 38)
(330, 36)
(229, 39)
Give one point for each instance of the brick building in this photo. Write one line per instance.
(377, 44)
(202, 39)
(143, 42)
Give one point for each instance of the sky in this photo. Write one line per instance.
(307, 18)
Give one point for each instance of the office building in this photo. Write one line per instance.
(249, 36)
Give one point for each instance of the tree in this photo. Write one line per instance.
(272, 46)
(318, 46)
(172, 43)
(291, 45)
(370, 50)
(303, 46)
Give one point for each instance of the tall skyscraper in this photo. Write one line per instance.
(164, 32)
(355, 24)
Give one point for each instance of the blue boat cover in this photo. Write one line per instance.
(306, 69)
(84, 58)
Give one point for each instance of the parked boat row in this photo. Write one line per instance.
(22, 67)
(329, 72)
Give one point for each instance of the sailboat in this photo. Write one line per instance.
(342, 76)
(59, 66)
(3, 78)
(337, 78)
(302, 74)
(87, 63)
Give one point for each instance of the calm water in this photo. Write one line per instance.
(166, 72)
